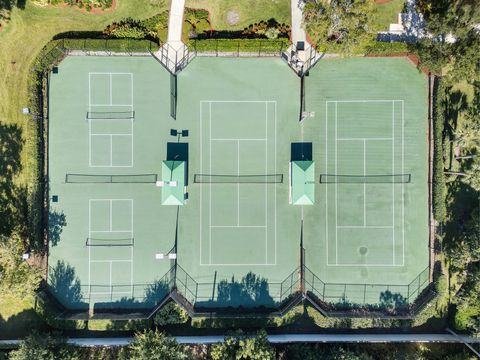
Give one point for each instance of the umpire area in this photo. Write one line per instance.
(227, 191)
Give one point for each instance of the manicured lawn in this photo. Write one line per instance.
(22, 39)
(387, 14)
(20, 42)
(18, 318)
(247, 11)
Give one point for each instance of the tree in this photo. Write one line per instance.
(45, 347)
(16, 276)
(244, 347)
(154, 345)
(347, 24)
(171, 313)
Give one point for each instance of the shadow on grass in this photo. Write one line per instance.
(21, 324)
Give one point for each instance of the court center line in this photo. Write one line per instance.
(201, 187)
(238, 185)
(210, 191)
(336, 185)
(364, 184)
(266, 189)
(393, 184)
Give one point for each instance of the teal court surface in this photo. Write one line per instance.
(219, 201)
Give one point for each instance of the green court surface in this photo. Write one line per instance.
(134, 192)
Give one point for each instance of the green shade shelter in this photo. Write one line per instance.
(173, 178)
(302, 182)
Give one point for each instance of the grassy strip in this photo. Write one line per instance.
(239, 45)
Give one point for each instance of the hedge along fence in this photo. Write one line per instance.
(438, 185)
(112, 45)
(256, 46)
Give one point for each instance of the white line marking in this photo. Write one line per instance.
(238, 185)
(266, 188)
(238, 101)
(275, 197)
(201, 187)
(359, 101)
(336, 185)
(326, 185)
(109, 73)
(210, 192)
(393, 184)
(364, 138)
(236, 139)
(363, 227)
(111, 90)
(403, 185)
(104, 105)
(238, 226)
(364, 185)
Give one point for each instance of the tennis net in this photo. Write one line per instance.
(111, 179)
(110, 115)
(366, 179)
(109, 242)
(238, 179)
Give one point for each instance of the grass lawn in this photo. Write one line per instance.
(20, 42)
(22, 39)
(387, 14)
(18, 318)
(247, 11)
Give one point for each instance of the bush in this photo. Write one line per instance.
(380, 47)
(126, 28)
(441, 285)
(239, 45)
(438, 181)
(171, 313)
(156, 26)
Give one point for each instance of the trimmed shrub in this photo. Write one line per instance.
(126, 28)
(380, 47)
(239, 45)
(171, 313)
(438, 182)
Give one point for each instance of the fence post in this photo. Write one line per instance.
(323, 294)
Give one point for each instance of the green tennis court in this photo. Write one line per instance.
(218, 201)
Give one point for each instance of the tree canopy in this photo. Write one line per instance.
(244, 347)
(344, 24)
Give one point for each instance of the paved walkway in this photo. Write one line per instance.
(278, 339)
(175, 22)
(298, 33)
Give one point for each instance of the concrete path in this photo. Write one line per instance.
(288, 338)
(175, 22)
(298, 33)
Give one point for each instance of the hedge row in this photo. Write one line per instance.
(114, 45)
(239, 45)
(380, 47)
(438, 181)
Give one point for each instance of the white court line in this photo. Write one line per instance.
(275, 185)
(122, 105)
(336, 167)
(210, 155)
(110, 134)
(238, 185)
(119, 261)
(364, 184)
(109, 73)
(364, 138)
(360, 101)
(326, 185)
(363, 264)
(210, 192)
(238, 101)
(201, 172)
(237, 139)
(363, 227)
(238, 226)
(393, 184)
(111, 90)
(336, 185)
(266, 188)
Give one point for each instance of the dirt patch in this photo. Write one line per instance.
(233, 17)
(382, 1)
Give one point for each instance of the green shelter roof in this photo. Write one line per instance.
(302, 182)
(173, 171)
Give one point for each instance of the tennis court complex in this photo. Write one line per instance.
(218, 201)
